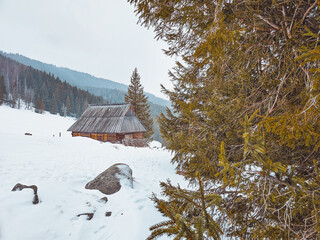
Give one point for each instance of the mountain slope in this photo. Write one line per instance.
(41, 90)
(79, 79)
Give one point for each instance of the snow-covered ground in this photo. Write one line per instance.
(60, 167)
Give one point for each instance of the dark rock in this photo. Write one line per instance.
(103, 200)
(108, 182)
(108, 214)
(35, 199)
(28, 134)
(89, 215)
(19, 187)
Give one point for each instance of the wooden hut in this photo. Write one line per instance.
(110, 123)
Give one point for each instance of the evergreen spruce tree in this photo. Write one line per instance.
(139, 104)
(84, 105)
(68, 105)
(2, 90)
(44, 91)
(245, 122)
(78, 106)
(38, 106)
(53, 105)
(42, 106)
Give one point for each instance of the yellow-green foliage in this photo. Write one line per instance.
(246, 116)
(188, 213)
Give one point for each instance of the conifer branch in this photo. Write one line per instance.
(275, 26)
(308, 10)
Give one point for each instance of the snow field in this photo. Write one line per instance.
(60, 167)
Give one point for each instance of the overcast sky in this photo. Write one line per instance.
(99, 37)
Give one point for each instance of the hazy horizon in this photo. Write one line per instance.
(100, 38)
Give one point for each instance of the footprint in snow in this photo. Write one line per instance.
(140, 200)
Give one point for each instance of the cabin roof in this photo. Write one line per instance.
(111, 118)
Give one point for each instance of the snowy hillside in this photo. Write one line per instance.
(60, 167)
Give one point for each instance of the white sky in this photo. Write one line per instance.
(99, 37)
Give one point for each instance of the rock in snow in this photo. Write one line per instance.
(108, 214)
(89, 215)
(19, 187)
(110, 181)
(103, 200)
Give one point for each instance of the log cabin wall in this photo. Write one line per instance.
(131, 139)
(75, 134)
(128, 136)
(120, 136)
(100, 137)
(110, 137)
(138, 135)
(94, 136)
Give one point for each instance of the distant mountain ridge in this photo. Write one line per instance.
(80, 79)
(25, 85)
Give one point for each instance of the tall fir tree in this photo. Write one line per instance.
(245, 122)
(53, 105)
(139, 104)
(84, 105)
(2, 90)
(68, 105)
(78, 106)
(39, 105)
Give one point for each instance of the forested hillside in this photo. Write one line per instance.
(41, 90)
(84, 80)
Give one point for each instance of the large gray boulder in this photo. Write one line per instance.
(110, 181)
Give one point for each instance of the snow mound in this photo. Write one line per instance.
(124, 175)
(155, 144)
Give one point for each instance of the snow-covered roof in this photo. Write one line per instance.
(111, 118)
